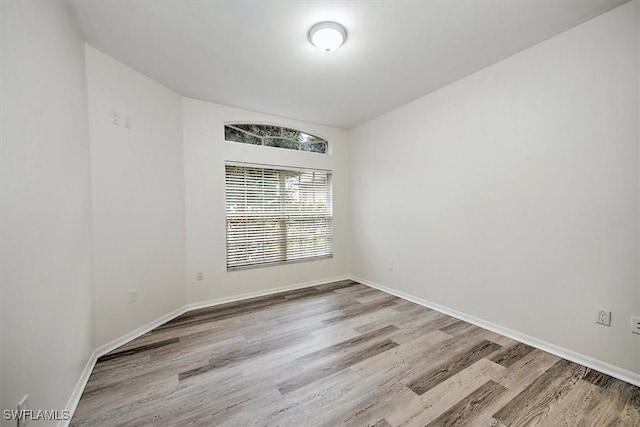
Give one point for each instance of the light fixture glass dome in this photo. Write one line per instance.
(327, 36)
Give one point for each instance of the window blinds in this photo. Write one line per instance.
(277, 216)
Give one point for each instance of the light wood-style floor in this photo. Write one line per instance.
(342, 354)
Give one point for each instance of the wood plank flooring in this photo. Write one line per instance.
(342, 354)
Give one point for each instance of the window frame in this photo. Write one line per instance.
(234, 126)
(283, 219)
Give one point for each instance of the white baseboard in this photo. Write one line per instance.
(589, 362)
(72, 404)
(249, 295)
(118, 342)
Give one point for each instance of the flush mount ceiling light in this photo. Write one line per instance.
(327, 36)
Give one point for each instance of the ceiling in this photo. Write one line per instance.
(256, 54)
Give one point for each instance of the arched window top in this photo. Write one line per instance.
(274, 136)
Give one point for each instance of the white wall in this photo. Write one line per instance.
(512, 195)
(138, 197)
(205, 155)
(46, 205)
(637, 2)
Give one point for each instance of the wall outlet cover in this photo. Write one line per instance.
(114, 117)
(133, 295)
(603, 317)
(635, 324)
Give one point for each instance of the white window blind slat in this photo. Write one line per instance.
(277, 215)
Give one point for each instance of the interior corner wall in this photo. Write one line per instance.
(45, 207)
(512, 194)
(138, 197)
(205, 155)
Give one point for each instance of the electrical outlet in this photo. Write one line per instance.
(127, 122)
(23, 406)
(604, 317)
(133, 295)
(635, 324)
(390, 265)
(199, 275)
(114, 117)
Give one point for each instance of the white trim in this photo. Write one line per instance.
(72, 404)
(225, 300)
(273, 167)
(589, 362)
(118, 342)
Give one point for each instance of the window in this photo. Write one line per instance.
(277, 216)
(274, 136)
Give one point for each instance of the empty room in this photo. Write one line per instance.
(320, 213)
